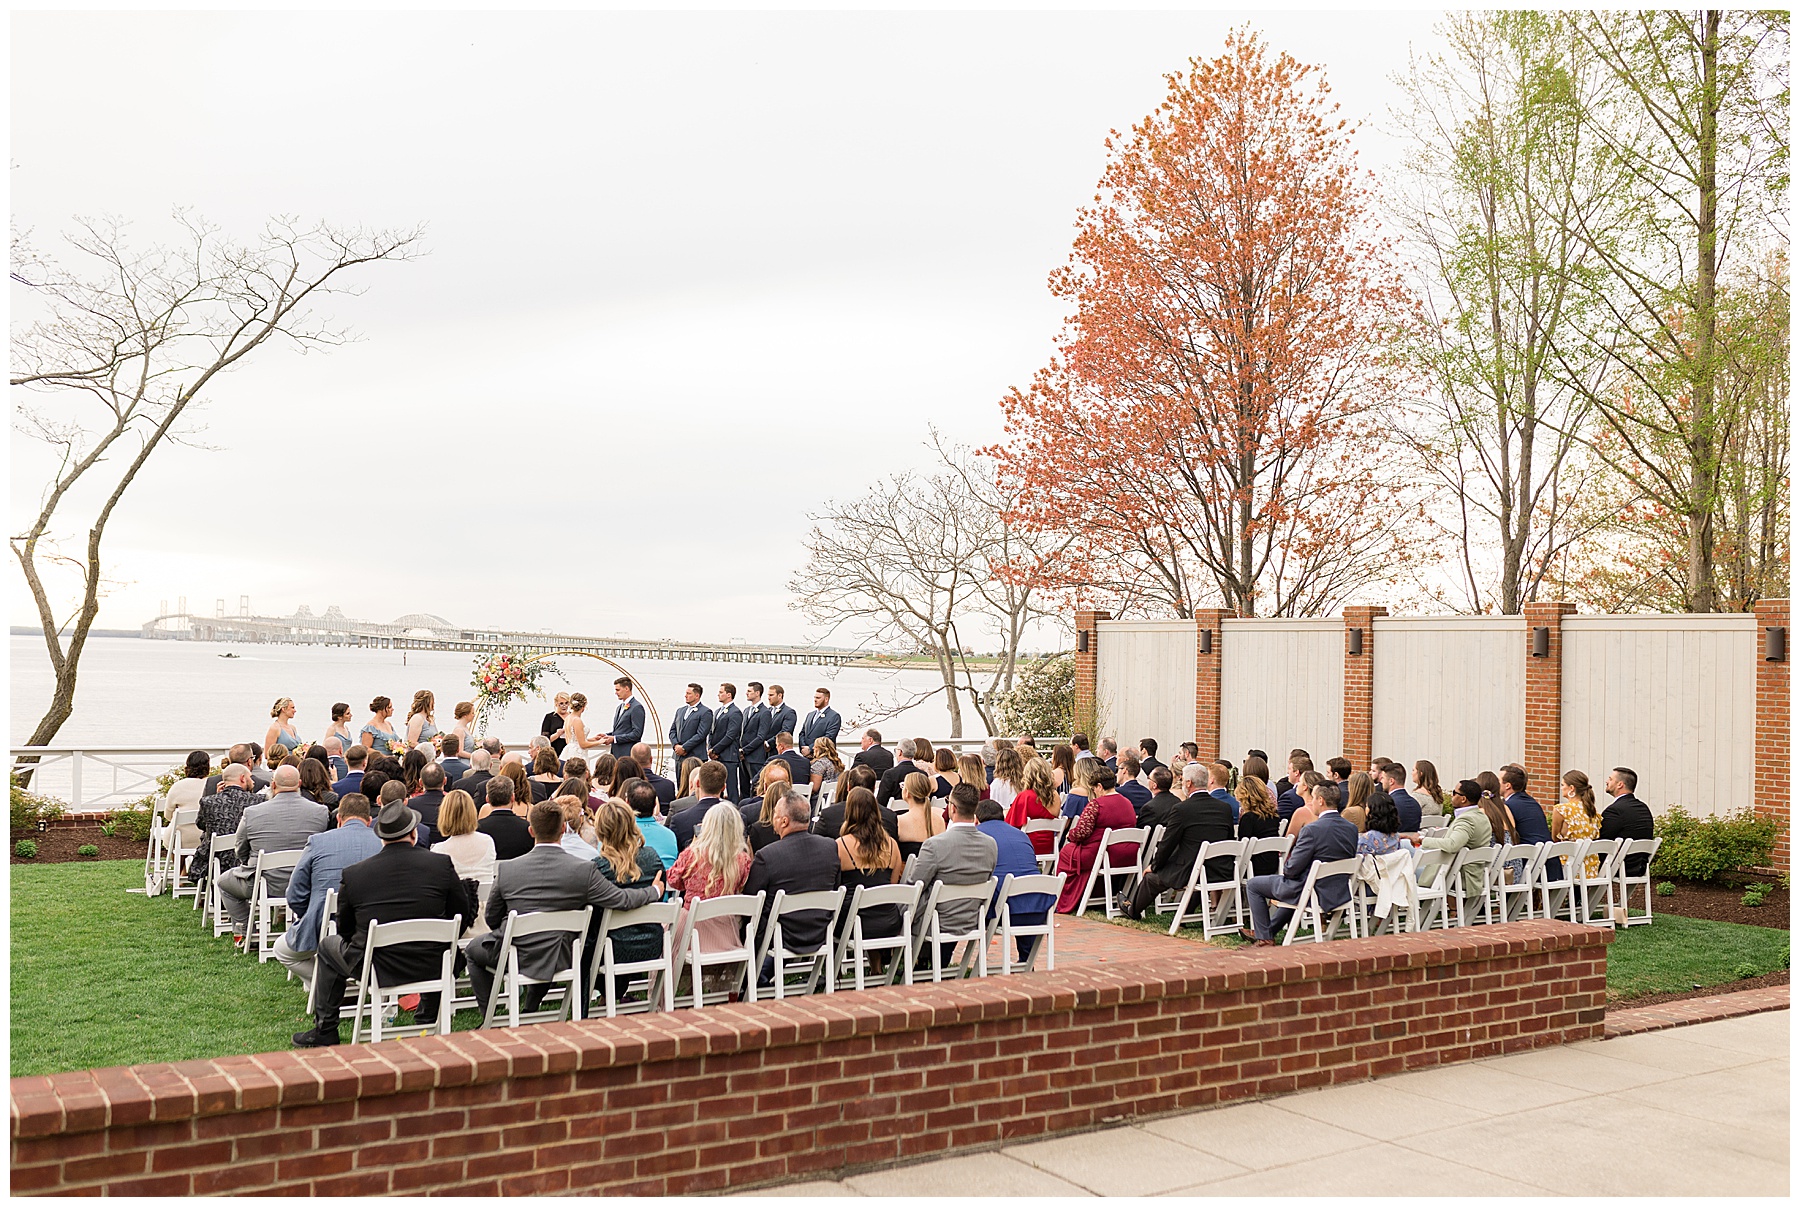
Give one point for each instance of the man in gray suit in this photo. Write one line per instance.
(961, 855)
(545, 879)
(282, 823)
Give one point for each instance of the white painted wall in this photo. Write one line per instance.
(1450, 689)
(1282, 686)
(1671, 697)
(1144, 682)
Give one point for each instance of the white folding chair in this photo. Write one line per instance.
(1055, 826)
(1106, 871)
(508, 980)
(658, 973)
(932, 929)
(774, 940)
(1601, 885)
(264, 905)
(741, 906)
(178, 859)
(1555, 896)
(1430, 904)
(1281, 830)
(854, 948)
(1514, 898)
(1631, 847)
(1308, 909)
(156, 851)
(1230, 912)
(328, 926)
(373, 998)
(1460, 898)
(1002, 923)
(215, 907)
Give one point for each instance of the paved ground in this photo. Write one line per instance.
(1701, 1110)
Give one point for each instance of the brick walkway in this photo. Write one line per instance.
(1695, 1010)
(1086, 940)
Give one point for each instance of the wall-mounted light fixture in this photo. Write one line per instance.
(1356, 641)
(1540, 642)
(1081, 641)
(1206, 641)
(1775, 644)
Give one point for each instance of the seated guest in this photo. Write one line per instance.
(239, 754)
(947, 776)
(919, 820)
(1337, 771)
(868, 857)
(889, 787)
(625, 860)
(1129, 788)
(1009, 769)
(545, 774)
(1147, 755)
(756, 809)
(1312, 803)
(574, 812)
(1081, 851)
(503, 820)
(1576, 818)
(1015, 856)
(454, 765)
(1382, 834)
(715, 864)
(282, 823)
(1393, 778)
(1527, 814)
(400, 882)
(187, 792)
(321, 869)
(1327, 839)
(544, 880)
(469, 849)
(798, 765)
(428, 801)
(1430, 794)
(665, 787)
(1201, 818)
(1218, 786)
(474, 780)
(1161, 806)
(827, 769)
(759, 829)
(640, 797)
(1109, 754)
(685, 815)
(972, 771)
(1036, 800)
(799, 861)
(1627, 817)
(961, 855)
(315, 784)
(830, 822)
(1081, 790)
(334, 758)
(1258, 817)
(1287, 799)
(1355, 794)
(873, 754)
(1472, 826)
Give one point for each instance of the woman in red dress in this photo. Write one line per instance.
(1036, 799)
(1106, 810)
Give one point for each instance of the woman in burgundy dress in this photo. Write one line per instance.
(1081, 850)
(1030, 804)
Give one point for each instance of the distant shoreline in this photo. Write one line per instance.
(19, 630)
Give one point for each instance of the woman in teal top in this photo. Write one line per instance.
(281, 730)
(419, 727)
(376, 736)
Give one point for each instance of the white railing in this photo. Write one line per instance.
(89, 778)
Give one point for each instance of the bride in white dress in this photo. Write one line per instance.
(575, 730)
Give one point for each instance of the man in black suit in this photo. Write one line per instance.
(727, 731)
(874, 754)
(1627, 816)
(1129, 788)
(1147, 755)
(1296, 758)
(474, 781)
(401, 882)
(753, 742)
(891, 779)
(454, 765)
(800, 862)
(665, 788)
(1161, 807)
(830, 821)
(1202, 817)
(1109, 752)
(427, 803)
(1393, 778)
(504, 820)
(797, 763)
(782, 717)
(686, 814)
(689, 730)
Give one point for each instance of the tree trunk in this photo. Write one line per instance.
(1704, 469)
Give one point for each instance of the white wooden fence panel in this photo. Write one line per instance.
(1450, 689)
(1144, 682)
(1282, 686)
(1671, 697)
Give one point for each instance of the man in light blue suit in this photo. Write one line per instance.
(821, 722)
(781, 718)
(689, 730)
(727, 731)
(753, 744)
(321, 869)
(628, 720)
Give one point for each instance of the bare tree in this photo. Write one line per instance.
(118, 351)
(924, 563)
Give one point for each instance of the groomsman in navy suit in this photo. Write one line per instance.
(628, 720)
(781, 718)
(689, 730)
(753, 744)
(821, 722)
(727, 731)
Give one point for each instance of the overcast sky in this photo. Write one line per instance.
(689, 276)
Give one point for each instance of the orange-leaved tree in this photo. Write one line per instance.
(1211, 426)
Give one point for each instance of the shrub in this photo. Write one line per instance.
(1756, 894)
(1042, 700)
(110, 827)
(25, 849)
(87, 848)
(1702, 848)
(29, 808)
(1665, 889)
(132, 822)
(1746, 970)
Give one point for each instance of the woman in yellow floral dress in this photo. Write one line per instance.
(1576, 817)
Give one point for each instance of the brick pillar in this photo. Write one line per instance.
(1543, 701)
(1359, 689)
(1087, 622)
(1774, 777)
(1207, 669)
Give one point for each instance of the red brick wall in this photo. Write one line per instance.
(1089, 623)
(1208, 669)
(742, 1095)
(1359, 689)
(1543, 701)
(1774, 779)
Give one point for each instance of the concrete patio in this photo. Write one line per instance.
(1698, 1110)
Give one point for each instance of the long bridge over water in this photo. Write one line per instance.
(423, 631)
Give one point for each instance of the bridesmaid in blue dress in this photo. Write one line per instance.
(281, 729)
(377, 736)
(420, 729)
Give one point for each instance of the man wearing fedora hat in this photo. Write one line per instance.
(397, 883)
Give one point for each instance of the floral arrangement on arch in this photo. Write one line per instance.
(505, 676)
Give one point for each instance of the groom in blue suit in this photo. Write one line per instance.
(689, 729)
(628, 720)
(727, 731)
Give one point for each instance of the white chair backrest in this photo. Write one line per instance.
(548, 921)
(277, 861)
(1608, 851)
(1237, 848)
(943, 893)
(1025, 886)
(187, 815)
(870, 896)
(738, 905)
(657, 913)
(1279, 845)
(799, 903)
(1281, 830)
(1038, 825)
(1638, 846)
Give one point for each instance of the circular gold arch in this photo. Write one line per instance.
(654, 733)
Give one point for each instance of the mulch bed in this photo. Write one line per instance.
(1654, 999)
(1719, 903)
(57, 845)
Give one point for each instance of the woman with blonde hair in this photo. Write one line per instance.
(761, 832)
(575, 733)
(973, 772)
(1035, 800)
(827, 770)
(420, 726)
(919, 820)
(1009, 768)
(281, 731)
(684, 776)
(1575, 817)
(574, 811)
(1258, 815)
(469, 849)
(1356, 811)
(628, 863)
(716, 864)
